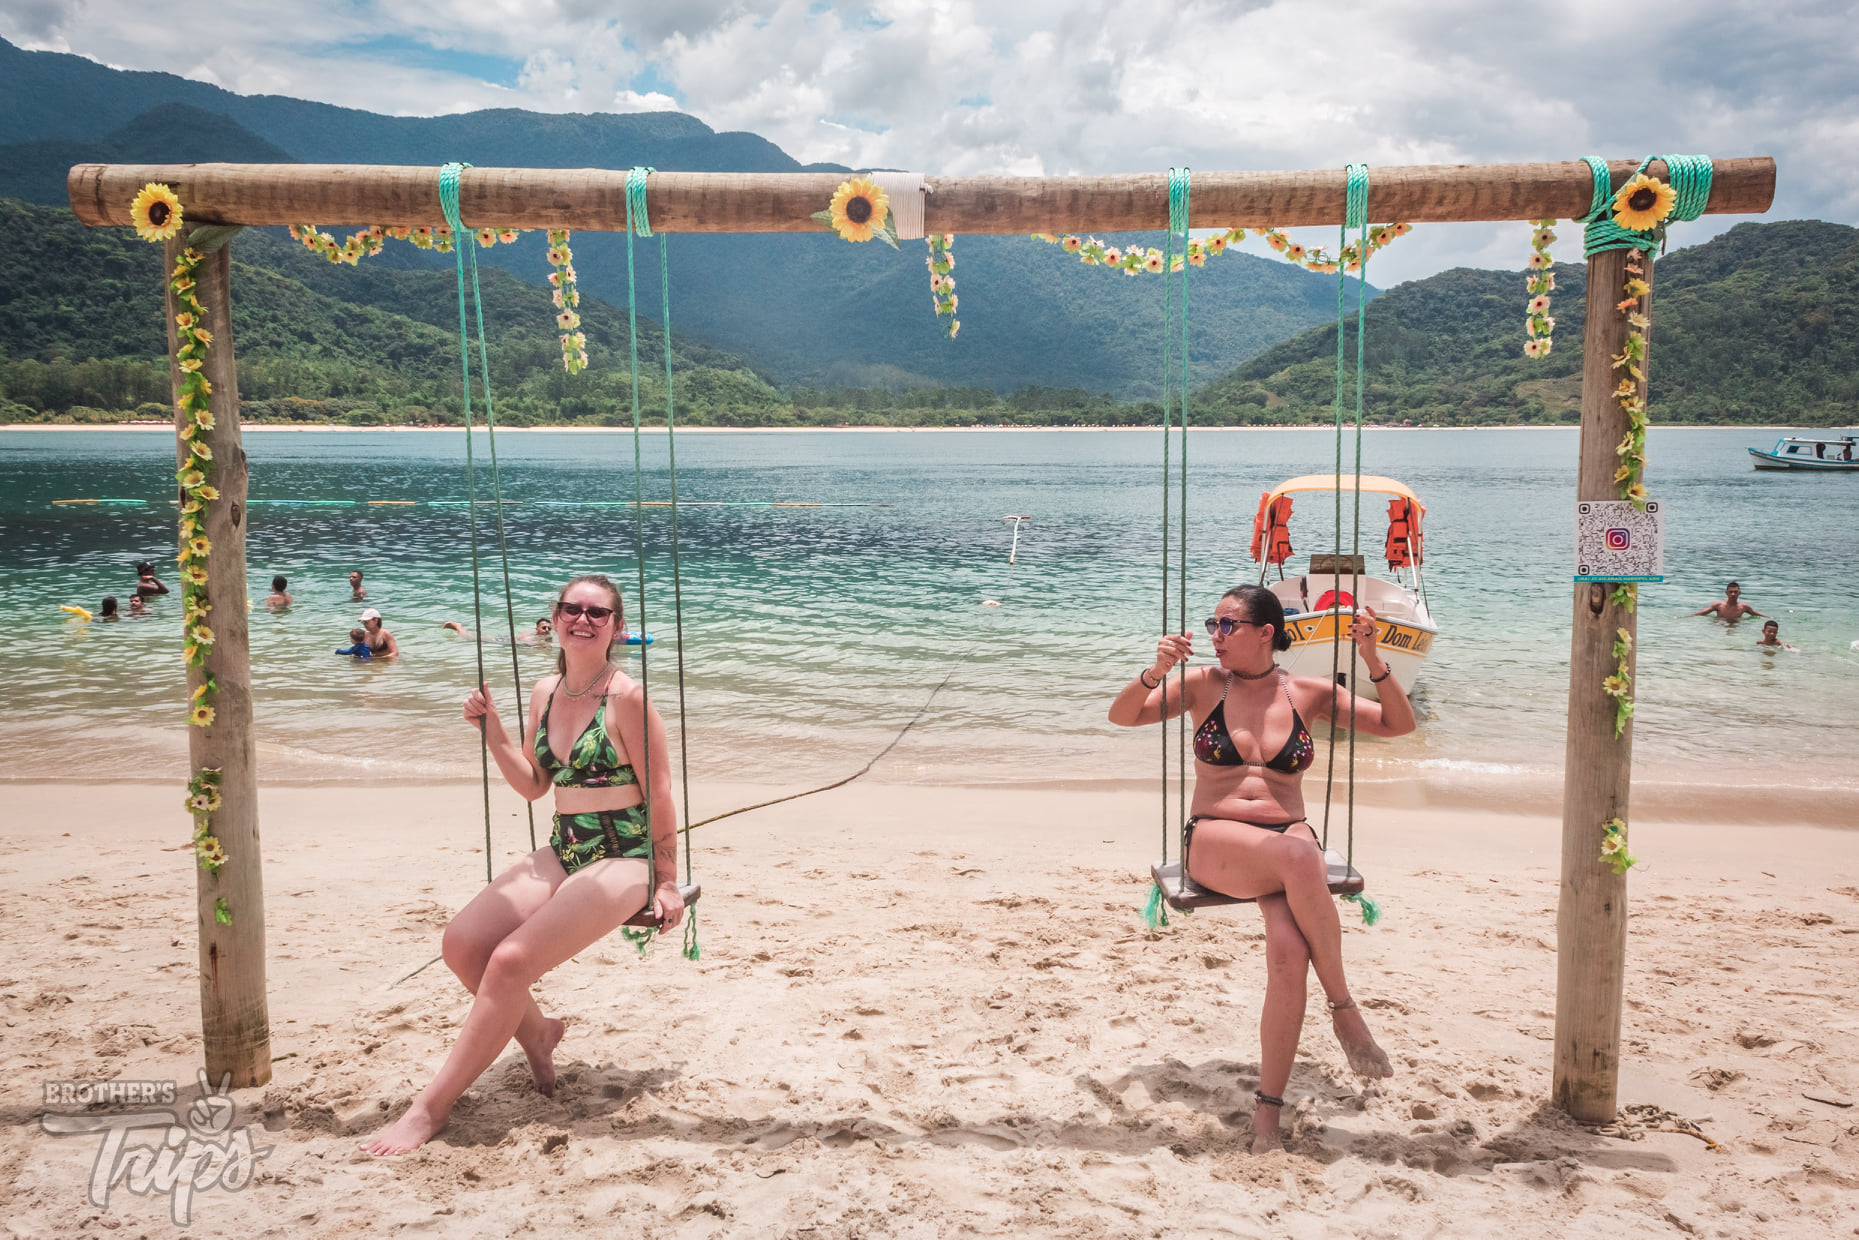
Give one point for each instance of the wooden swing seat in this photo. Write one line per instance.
(692, 892)
(1184, 894)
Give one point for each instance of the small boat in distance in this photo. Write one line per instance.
(1321, 603)
(1809, 452)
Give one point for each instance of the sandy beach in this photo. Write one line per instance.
(930, 1011)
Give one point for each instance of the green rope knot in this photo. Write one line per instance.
(1688, 175)
(1371, 911)
(691, 950)
(635, 201)
(1355, 199)
(1178, 195)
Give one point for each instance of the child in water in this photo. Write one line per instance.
(1772, 636)
(358, 645)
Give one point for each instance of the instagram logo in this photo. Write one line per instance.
(1619, 539)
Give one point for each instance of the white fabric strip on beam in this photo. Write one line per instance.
(905, 190)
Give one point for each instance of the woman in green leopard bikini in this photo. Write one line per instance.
(613, 852)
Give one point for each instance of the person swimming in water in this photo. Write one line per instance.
(380, 641)
(1731, 606)
(147, 583)
(1248, 836)
(1772, 636)
(357, 591)
(590, 736)
(535, 637)
(136, 606)
(107, 609)
(279, 598)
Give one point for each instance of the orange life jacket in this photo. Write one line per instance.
(1403, 533)
(1271, 537)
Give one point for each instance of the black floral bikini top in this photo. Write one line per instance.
(1214, 746)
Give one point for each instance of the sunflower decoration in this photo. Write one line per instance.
(156, 213)
(1643, 203)
(860, 211)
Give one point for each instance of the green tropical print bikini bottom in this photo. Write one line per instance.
(582, 839)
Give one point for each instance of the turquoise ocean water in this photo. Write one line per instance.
(812, 634)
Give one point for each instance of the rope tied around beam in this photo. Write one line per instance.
(1689, 177)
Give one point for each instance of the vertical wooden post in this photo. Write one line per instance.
(1591, 922)
(233, 1013)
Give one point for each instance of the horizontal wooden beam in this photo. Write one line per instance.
(341, 195)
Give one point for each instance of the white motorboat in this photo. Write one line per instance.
(1320, 604)
(1809, 453)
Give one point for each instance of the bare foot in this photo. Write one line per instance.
(1365, 1058)
(406, 1134)
(1265, 1134)
(542, 1057)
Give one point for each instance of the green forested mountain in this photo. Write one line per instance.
(801, 308)
(1760, 324)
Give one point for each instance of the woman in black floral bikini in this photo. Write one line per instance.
(590, 738)
(1248, 836)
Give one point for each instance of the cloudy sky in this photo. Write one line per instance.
(1077, 86)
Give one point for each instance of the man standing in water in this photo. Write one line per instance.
(380, 641)
(357, 591)
(1730, 607)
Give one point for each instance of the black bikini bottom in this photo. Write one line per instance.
(1187, 836)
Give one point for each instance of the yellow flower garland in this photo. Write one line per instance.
(1135, 261)
(158, 216)
(370, 241)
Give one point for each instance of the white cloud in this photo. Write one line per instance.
(1075, 86)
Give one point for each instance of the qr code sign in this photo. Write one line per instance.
(1614, 541)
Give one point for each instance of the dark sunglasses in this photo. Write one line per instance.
(1223, 626)
(599, 615)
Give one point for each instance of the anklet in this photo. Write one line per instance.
(1266, 1100)
(1344, 1006)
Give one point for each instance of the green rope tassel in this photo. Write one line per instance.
(1155, 913)
(691, 950)
(1371, 911)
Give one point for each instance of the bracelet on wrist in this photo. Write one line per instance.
(1143, 676)
(1385, 673)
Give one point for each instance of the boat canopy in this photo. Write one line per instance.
(1327, 482)
(1271, 536)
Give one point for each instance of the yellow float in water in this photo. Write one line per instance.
(76, 611)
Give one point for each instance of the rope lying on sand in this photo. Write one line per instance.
(795, 796)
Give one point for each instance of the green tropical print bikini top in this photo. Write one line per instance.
(592, 763)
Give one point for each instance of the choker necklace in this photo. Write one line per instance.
(589, 688)
(1254, 675)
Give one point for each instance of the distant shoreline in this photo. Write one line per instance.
(844, 430)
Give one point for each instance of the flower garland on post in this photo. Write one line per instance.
(158, 216)
(1634, 220)
(568, 301)
(1538, 326)
(941, 262)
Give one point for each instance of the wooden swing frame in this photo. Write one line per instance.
(1591, 921)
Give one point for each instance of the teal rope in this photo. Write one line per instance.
(465, 252)
(1689, 177)
(691, 949)
(636, 225)
(448, 201)
(1358, 213)
(639, 224)
(1176, 243)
